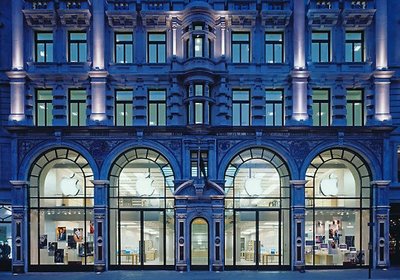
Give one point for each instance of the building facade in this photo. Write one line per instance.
(259, 134)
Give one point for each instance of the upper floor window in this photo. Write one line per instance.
(157, 50)
(274, 107)
(198, 90)
(321, 46)
(321, 107)
(77, 107)
(44, 107)
(123, 47)
(123, 107)
(355, 107)
(354, 46)
(274, 47)
(240, 47)
(198, 45)
(77, 43)
(157, 114)
(198, 163)
(44, 46)
(241, 107)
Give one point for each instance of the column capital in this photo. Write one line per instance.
(381, 183)
(299, 74)
(19, 184)
(100, 183)
(383, 74)
(298, 183)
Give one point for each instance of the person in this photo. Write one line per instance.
(6, 251)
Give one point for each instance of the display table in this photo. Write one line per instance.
(134, 256)
(270, 259)
(324, 259)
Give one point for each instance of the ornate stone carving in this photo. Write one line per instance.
(299, 150)
(24, 146)
(375, 146)
(99, 148)
(381, 217)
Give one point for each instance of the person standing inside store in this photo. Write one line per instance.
(5, 250)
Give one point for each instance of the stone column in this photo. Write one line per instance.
(381, 35)
(100, 224)
(182, 242)
(98, 34)
(17, 22)
(17, 98)
(382, 96)
(380, 239)
(174, 25)
(19, 226)
(298, 223)
(299, 26)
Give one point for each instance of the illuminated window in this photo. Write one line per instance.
(274, 107)
(240, 47)
(321, 107)
(156, 50)
(354, 46)
(198, 163)
(123, 48)
(198, 45)
(355, 108)
(123, 107)
(77, 107)
(241, 107)
(44, 107)
(157, 114)
(77, 43)
(274, 47)
(44, 47)
(321, 46)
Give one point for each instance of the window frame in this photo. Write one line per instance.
(79, 103)
(274, 43)
(319, 103)
(124, 44)
(45, 46)
(79, 43)
(353, 102)
(353, 42)
(241, 44)
(274, 103)
(125, 104)
(202, 37)
(48, 106)
(319, 43)
(157, 43)
(241, 104)
(157, 103)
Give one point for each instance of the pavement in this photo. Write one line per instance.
(335, 274)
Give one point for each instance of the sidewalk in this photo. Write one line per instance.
(393, 273)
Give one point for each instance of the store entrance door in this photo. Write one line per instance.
(199, 248)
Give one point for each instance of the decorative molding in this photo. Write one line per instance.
(382, 184)
(19, 184)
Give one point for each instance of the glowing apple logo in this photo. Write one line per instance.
(70, 185)
(144, 184)
(253, 185)
(329, 187)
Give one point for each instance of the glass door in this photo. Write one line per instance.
(199, 242)
(130, 238)
(246, 238)
(153, 236)
(269, 232)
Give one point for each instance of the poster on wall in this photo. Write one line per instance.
(91, 227)
(335, 229)
(61, 233)
(71, 242)
(59, 256)
(52, 248)
(78, 234)
(320, 228)
(43, 241)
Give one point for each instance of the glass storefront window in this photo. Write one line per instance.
(337, 216)
(61, 210)
(5, 238)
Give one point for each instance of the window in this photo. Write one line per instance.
(321, 107)
(157, 50)
(355, 108)
(198, 163)
(354, 46)
(198, 45)
(77, 107)
(321, 46)
(274, 107)
(77, 43)
(44, 107)
(123, 107)
(123, 48)
(198, 90)
(44, 47)
(241, 107)
(157, 107)
(240, 47)
(274, 47)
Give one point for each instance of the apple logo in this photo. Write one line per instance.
(69, 185)
(329, 186)
(144, 184)
(253, 184)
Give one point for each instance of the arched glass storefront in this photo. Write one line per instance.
(141, 210)
(257, 213)
(338, 205)
(61, 210)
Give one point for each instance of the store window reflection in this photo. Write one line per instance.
(61, 210)
(337, 216)
(5, 237)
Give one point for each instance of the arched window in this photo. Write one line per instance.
(257, 209)
(141, 209)
(337, 209)
(61, 209)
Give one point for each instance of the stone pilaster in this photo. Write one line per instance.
(298, 223)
